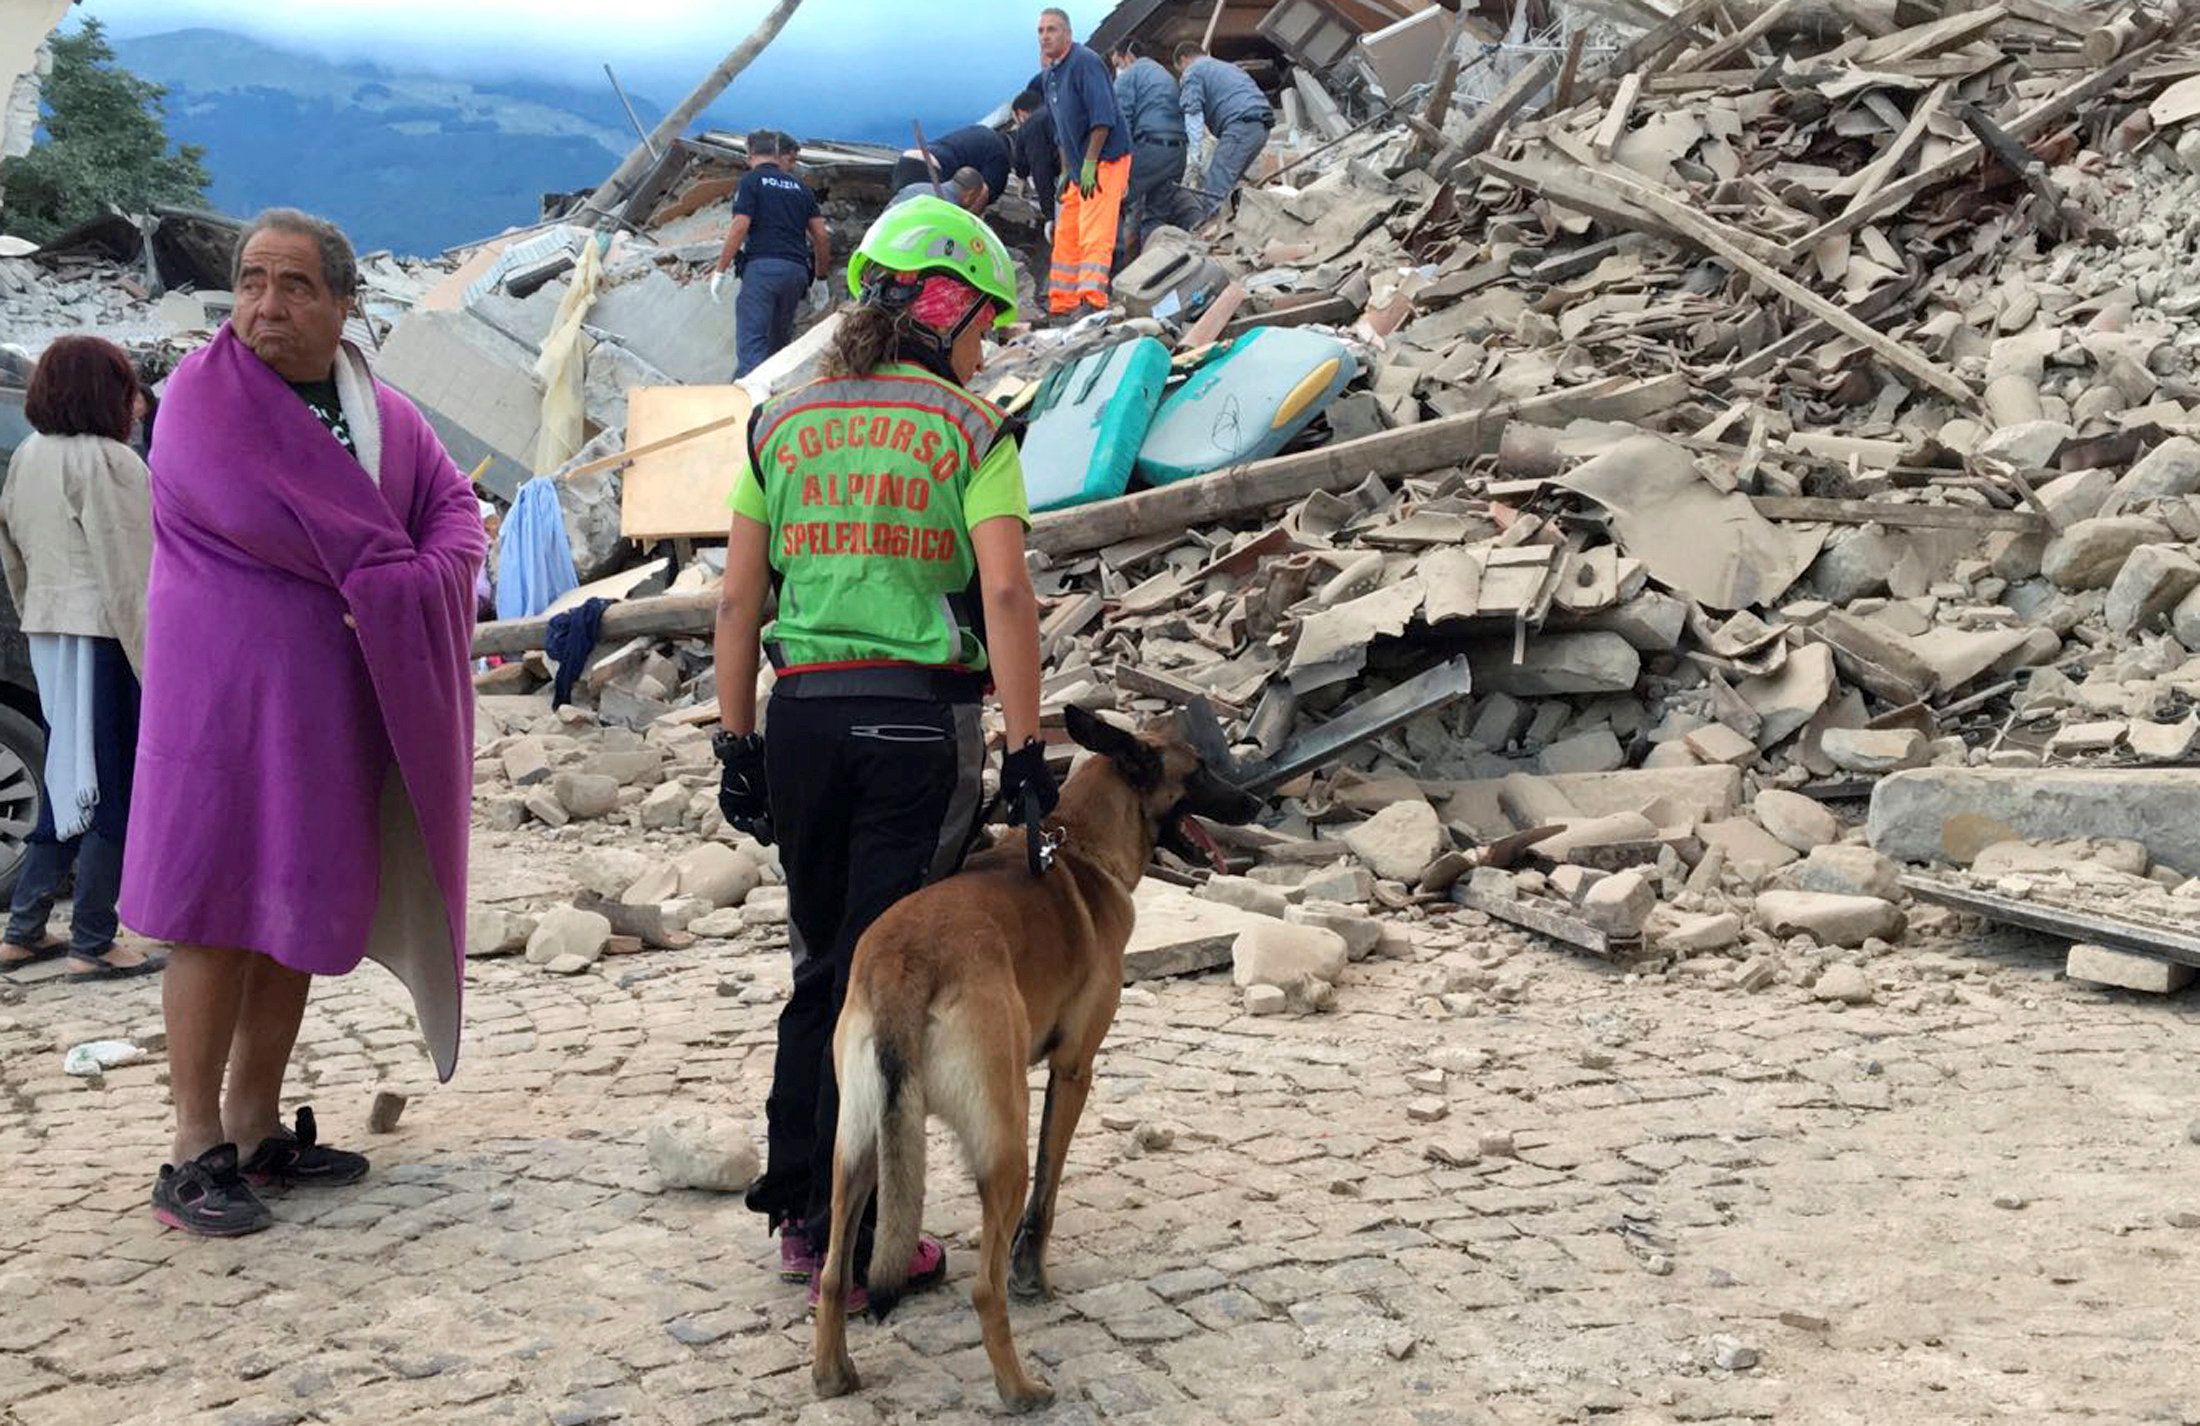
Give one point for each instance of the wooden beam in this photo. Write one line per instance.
(627, 457)
(2026, 165)
(662, 616)
(2022, 128)
(1922, 41)
(1571, 186)
(1713, 55)
(1409, 450)
(1328, 311)
(1902, 516)
(1655, 198)
(1925, 373)
(1873, 176)
(1571, 71)
(1492, 117)
(1644, 52)
(2052, 15)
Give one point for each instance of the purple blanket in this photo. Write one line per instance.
(303, 788)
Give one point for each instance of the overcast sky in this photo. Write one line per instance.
(853, 52)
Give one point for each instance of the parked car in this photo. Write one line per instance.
(22, 734)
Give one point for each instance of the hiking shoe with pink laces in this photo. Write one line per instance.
(928, 1268)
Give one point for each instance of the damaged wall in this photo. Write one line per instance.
(25, 26)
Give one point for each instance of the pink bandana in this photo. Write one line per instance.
(944, 300)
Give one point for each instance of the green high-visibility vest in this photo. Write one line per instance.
(870, 487)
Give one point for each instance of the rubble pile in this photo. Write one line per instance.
(1781, 413)
(1597, 461)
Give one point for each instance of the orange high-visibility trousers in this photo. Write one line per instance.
(1084, 240)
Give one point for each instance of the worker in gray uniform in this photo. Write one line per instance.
(1225, 99)
(1146, 93)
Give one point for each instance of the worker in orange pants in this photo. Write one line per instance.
(1084, 238)
(1096, 166)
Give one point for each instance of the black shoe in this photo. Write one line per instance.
(298, 1160)
(209, 1197)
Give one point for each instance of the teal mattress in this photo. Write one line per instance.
(1247, 403)
(1088, 422)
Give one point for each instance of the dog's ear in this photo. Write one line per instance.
(1139, 764)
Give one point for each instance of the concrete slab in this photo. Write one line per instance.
(1691, 794)
(2099, 965)
(475, 386)
(1951, 814)
(1179, 934)
(673, 326)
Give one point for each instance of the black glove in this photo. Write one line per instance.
(1025, 770)
(744, 794)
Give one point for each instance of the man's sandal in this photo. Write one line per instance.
(52, 948)
(104, 969)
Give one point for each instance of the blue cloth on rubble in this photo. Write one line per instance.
(534, 558)
(572, 639)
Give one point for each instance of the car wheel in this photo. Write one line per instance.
(22, 752)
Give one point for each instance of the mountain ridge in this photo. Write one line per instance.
(409, 161)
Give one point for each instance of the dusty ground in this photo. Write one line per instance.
(1699, 1172)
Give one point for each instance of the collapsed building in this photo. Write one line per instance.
(1715, 486)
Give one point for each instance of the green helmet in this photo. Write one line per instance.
(933, 235)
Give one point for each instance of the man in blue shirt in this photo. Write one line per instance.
(1235, 112)
(1037, 157)
(975, 147)
(964, 188)
(778, 245)
(1146, 93)
(1096, 158)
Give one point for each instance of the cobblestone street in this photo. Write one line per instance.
(1650, 1200)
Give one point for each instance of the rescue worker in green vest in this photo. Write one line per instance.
(885, 502)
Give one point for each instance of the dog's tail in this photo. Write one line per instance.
(882, 1098)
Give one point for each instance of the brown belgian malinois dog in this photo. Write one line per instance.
(958, 989)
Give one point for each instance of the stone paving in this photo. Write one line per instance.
(1648, 1199)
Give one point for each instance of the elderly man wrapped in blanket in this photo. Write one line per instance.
(304, 762)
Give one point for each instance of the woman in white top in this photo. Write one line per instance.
(76, 539)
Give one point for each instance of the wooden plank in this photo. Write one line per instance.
(1492, 117)
(2020, 161)
(677, 488)
(1713, 55)
(1409, 450)
(1887, 512)
(1614, 127)
(2033, 121)
(1926, 373)
(1873, 21)
(2052, 15)
(2140, 938)
(1326, 310)
(1153, 683)
(1566, 75)
(1647, 49)
(1209, 327)
(1924, 41)
(664, 616)
(1069, 619)
(1654, 198)
(1873, 176)
(1574, 188)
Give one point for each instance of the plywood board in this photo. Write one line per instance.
(680, 492)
